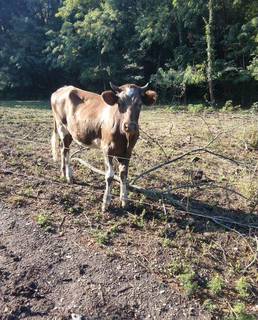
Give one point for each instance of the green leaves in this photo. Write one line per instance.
(48, 43)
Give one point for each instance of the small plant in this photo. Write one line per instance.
(188, 282)
(216, 284)
(243, 287)
(75, 210)
(105, 237)
(44, 221)
(139, 221)
(238, 312)
(228, 106)
(209, 305)
(254, 107)
(175, 268)
(166, 243)
(185, 274)
(28, 191)
(102, 238)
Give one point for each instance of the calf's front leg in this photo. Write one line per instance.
(123, 172)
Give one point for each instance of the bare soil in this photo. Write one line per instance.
(61, 258)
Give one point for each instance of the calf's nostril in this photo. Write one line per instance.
(130, 127)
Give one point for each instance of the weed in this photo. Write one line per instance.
(28, 191)
(175, 268)
(105, 237)
(188, 282)
(238, 312)
(209, 305)
(114, 230)
(139, 221)
(216, 284)
(243, 287)
(254, 107)
(102, 238)
(228, 106)
(166, 243)
(76, 210)
(196, 108)
(44, 221)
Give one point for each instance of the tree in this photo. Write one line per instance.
(210, 54)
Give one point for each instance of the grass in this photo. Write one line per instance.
(105, 237)
(18, 104)
(243, 287)
(44, 221)
(216, 284)
(238, 312)
(188, 281)
(170, 242)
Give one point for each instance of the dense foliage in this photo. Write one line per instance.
(48, 43)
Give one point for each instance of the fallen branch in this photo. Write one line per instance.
(168, 199)
(88, 165)
(254, 258)
(197, 150)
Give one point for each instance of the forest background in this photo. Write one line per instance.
(184, 48)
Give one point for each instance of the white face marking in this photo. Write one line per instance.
(130, 92)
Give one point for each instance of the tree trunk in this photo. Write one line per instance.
(210, 57)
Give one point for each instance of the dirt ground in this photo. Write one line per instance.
(50, 276)
(61, 258)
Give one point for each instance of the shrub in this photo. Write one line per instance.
(196, 108)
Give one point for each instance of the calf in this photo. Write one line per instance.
(108, 121)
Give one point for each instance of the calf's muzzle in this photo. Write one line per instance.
(130, 127)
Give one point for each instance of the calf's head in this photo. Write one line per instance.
(129, 99)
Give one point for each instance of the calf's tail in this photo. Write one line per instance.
(55, 142)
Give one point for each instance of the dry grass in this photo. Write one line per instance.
(203, 181)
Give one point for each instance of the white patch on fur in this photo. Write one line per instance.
(107, 194)
(130, 92)
(62, 131)
(54, 145)
(123, 193)
(68, 169)
(94, 145)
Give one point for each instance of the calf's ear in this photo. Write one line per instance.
(109, 97)
(149, 97)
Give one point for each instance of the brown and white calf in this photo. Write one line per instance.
(108, 121)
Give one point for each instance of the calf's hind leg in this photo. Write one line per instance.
(66, 140)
